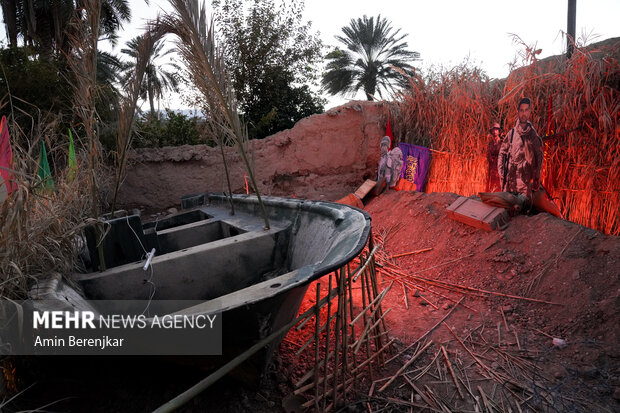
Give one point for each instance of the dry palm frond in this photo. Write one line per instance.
(205, 62)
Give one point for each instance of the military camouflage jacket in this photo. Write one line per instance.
(520, 161)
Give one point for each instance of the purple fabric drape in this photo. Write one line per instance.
(416, 161)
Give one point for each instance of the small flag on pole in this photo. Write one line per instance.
(7, 183)
(72, 158)
(388, 132)
(44, 173)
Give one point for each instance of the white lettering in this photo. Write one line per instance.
(49, 342)
(57, 319)
(87, 319)
(211, 319)
(63, 319)
(41, 319)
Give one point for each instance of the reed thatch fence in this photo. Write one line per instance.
(575, 105)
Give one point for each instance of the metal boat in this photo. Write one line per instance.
(227, 264)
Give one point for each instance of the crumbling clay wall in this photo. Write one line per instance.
(324, 156)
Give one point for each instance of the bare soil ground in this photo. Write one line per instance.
(540, 279)
(538, 257)
(565, 283)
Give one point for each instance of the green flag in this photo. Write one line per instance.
(72, 159)
(44, 173)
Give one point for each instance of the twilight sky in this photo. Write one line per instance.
(446, 32)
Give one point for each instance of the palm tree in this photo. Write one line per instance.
(44, 23)
(366, 63)
(157, 77)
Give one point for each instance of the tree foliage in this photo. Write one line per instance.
(372, 51)
(271, 55)
(44, 24)
(173, 129)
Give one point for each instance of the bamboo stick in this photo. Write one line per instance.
(310, 313)
(363, 268)
(309, 386)
(316, 347)
(411, 253)
(404, 367)
(313, 337)
(345, 336)
(350, 281)
(329, 312)
(366, 331)
(371, 317)
(376, 302)
(312, 401)
(422, 394)
(373, 279)
(517, 338)
(310, 372)
(425, 334)
(504, 318)
(369, 360)
(364, 288)
(456, 383)
(439, 283)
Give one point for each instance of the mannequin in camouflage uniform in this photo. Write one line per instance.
(521, 157)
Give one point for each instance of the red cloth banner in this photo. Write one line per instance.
(6, 158)
(388, 132)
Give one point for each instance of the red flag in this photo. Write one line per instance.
(6, 158)
(388, 132)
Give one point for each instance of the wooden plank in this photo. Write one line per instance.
(365, 188)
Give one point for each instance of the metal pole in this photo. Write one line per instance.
(570, 27)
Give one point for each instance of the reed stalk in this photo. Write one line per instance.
(197, 46)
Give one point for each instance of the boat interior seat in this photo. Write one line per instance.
(124, 242)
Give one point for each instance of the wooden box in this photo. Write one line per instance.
(477, 214)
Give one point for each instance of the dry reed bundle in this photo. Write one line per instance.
(447, 169)
(451, 108)
(38, 229)
(205, 62)
(576, 101)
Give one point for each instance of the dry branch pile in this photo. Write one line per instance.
(349, 341)
(494, 365)
(575, 102)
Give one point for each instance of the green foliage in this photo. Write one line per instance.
(174, 129)
(367, 62)
(37, 87)
(271, 55)
(30, 78)
(41, 95)
(45, 24)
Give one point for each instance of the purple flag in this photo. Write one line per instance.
(416, 160)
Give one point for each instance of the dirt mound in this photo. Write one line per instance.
(563, 279)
